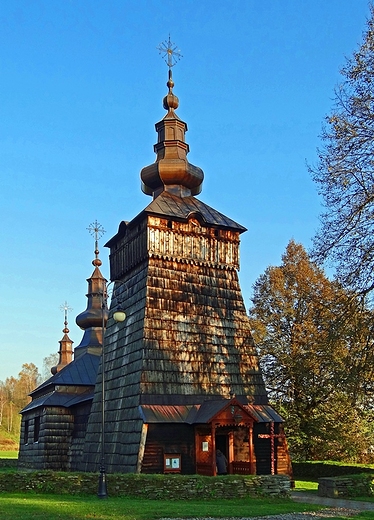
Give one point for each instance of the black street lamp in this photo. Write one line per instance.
(119, 316)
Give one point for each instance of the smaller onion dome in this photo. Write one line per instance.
(95, 317)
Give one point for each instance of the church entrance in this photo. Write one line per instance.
(230, 430)
(248, 437)
(236, 443)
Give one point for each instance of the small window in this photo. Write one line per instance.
(26, 432)
(36, 428)
(170, 224)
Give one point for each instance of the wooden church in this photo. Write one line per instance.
(181, 373)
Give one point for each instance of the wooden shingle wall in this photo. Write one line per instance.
(124, 349)
(197, 338)
(186, 337)
(75, 452)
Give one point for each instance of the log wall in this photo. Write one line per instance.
(50, 451)
(163, 438)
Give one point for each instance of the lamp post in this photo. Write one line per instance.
(119, 316)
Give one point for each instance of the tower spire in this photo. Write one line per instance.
(66, 345)
(91, 319)
(171, 172)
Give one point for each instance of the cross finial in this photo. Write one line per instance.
(169, 52)
(97, 231)
(66, 309)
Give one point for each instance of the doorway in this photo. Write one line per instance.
(222, 444)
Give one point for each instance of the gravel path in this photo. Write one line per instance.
(307, 515)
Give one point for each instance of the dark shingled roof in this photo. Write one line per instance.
(169, 205)
(58, 399)
(80, 372)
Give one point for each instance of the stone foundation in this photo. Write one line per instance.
(171, 487)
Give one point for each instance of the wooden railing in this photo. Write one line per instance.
(242, 468)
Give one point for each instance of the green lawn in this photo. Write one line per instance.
(31, 506)
(306, 485)
(61, 507)
(8, 454)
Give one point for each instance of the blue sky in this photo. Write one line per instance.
(81, 88)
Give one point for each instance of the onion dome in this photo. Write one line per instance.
(94, 318)
(93, 315)
(171, 172)
(66, 345)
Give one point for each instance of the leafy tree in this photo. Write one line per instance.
(345, 173)
(3, 401)
(10, 388)
(28, 379)
(14, 395)
(315, 347)
(49, 362)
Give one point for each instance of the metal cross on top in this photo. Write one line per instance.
(65, 308)
(170, 53)
(96, 230)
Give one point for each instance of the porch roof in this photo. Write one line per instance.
(263, 413)
(203, 413)
(167, 413)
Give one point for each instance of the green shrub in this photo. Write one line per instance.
(317, 469)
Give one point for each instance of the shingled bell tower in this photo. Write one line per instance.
(181, 373)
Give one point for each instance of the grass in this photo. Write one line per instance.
(9, 454)
(31, 506)
(311, 486)
(306, 485)
(65, 507)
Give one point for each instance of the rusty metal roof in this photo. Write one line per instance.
(263, 413)
(169, 205)
(204, 413)
(167, 413)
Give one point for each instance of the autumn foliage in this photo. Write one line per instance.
(315, 342)
(13, 397)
